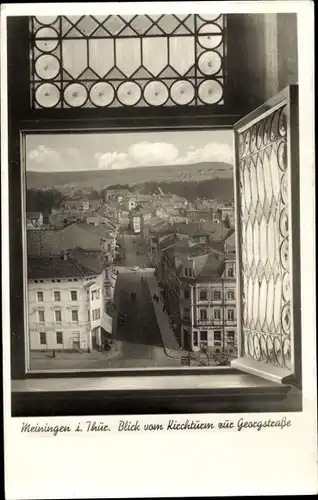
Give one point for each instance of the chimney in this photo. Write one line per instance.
(64, 255)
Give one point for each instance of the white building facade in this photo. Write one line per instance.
(208, 312)
(67, 314)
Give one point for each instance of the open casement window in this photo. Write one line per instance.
(268, 260)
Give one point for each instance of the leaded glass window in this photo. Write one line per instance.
(266, 177)
(116, 61)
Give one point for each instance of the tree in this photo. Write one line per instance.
(44, 201)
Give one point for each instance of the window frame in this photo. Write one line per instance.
(195, 338)
(232, 292)
(95, 316)
(59, 333)
(73, 310)
(205, 333)
(230, 272)
(205, 292)
(68, 389)
(232, 311)
(45, 338)
(205, 311)
(219, 342)
(55, 314)
(41, 311)
(219, 311)
(289, 98)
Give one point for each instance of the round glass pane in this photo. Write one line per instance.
(75, 95)
(47, 95)
(210, 92)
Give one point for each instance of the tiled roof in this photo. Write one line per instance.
(207, 262)
(213, 229)
(89, 260)
(75, 234)
(93, 214)
(57, 267)
(230, 242)
(102, 231)
(168, 241)
(211, 267)
(193, 250)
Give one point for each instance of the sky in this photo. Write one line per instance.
(110, 151)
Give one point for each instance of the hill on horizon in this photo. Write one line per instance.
(99, 179)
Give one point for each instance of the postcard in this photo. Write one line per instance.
(158, 257)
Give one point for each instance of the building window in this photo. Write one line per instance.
(186, 271)
(186, 313)
(186, 293)
(230, 272)
(203, 336)
(74, 316)
(216, 294)
(57, 296)
(42, 338)
(41, 316)
(203, 295)
(95, 294)
(203, 315)
(230, 314)
(195, 339)
(230, 295)
(96, 314)
(39, 296)
(88, 315)
(190, 272)
(58, 316)
(231, 336)
(73, 295)
(217, 337)
(59, 337)
(217, 313)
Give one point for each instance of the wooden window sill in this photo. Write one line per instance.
(229, 392)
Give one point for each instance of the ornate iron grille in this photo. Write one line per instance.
(141, 60)
(264, 216)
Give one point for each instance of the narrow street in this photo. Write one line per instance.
(138, 340)
(134, 249)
